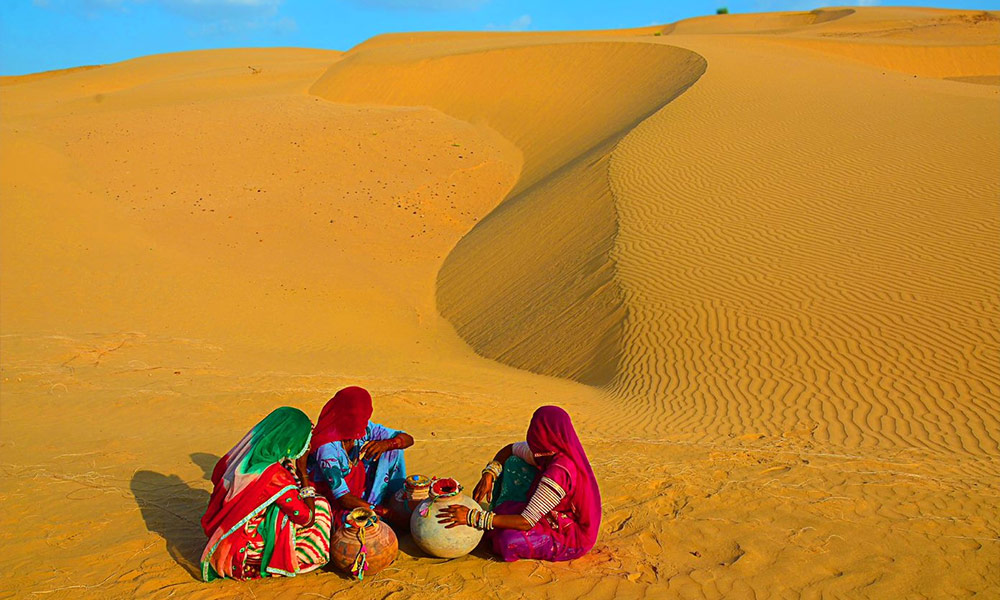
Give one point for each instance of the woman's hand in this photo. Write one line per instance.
(453, 516)
(374, 449)
(484, 489)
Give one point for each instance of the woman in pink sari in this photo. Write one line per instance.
(559, 516)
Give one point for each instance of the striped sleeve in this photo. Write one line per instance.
(546, 497)
(523, 451)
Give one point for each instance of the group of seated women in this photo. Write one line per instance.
(282, 490)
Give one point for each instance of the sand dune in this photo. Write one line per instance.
(759, 23)
(563, 316)
(754, 255)
(840, 286)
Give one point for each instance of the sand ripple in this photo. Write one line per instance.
(790, 256)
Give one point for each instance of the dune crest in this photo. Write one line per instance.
(755, 23)
(562, 316)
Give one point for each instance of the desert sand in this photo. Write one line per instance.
(756, 257)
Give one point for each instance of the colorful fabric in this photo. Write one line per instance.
(312, 544)
(544, 541)
(344, 417)
(570, 528)
(250, 482)
(338, 472)
(515, 481)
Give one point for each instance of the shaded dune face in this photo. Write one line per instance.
(532, 285)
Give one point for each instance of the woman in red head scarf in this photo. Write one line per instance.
(562, 514)
(354, 462)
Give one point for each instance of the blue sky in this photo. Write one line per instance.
(38, 35)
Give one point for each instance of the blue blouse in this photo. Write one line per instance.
(331, 463)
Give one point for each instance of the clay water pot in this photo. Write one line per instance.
(432, 537)
(414, 491)
(381, 545)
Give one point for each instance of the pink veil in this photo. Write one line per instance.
(551, 430)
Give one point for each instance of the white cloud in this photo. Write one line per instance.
(521, 23)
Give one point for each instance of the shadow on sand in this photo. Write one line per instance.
(173, 509)
(206, 461)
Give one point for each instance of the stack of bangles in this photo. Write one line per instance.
(494, 468)
(307, 492)
(480, 519)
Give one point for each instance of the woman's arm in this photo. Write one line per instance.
(549, 492)
(350, 501)
(456, 514)
(484, 489)
(301, 511)
(311, 505)
(373, 449)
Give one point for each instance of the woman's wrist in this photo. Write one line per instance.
(480, 519)
(493, 468)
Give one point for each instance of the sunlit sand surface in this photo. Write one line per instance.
(757, 258)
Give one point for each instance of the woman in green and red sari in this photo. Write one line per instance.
(261, 520)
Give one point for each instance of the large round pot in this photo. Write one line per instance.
(432, 537)
(362, 528)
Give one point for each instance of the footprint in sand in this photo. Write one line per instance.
(622, 525)
(649, 544)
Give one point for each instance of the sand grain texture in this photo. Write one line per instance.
(757, 257)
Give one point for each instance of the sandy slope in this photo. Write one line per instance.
(768, 243)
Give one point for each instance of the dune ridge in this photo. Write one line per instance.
(16, 79)
(563, 316)
(755, 23)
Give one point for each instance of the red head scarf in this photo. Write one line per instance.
(551, 430)
(344, 417)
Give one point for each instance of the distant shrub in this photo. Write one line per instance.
(722, 11)
(658, 33)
